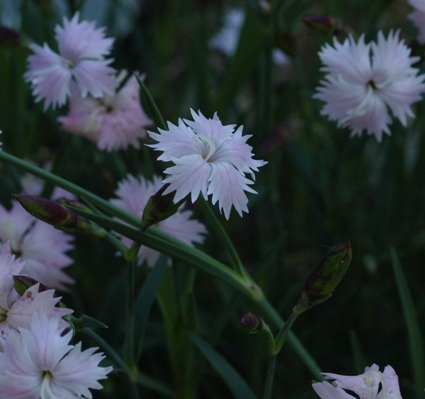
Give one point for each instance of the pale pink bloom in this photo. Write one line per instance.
(40, 363)
(16, 311)
(113, 121)
(365, 81)
(209, 158)
(372, 384)
(38, 244)
(134, 194)
(82, 49)
(417, 16)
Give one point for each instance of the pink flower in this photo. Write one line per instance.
(16, 311)
(38, 244)
(369, 385)
(134, 194)
(209, 158)
(113, 121)
(40, 363)
(417, 16)
(363, 81)
(81, 59)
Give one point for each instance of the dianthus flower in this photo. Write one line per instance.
(82, 49)
(372, 384)
(16, 311)
(134, 194)
(113, 121)
(364, 80)
(209, 158)
(40, 363)
(38, 244)
(417, 16)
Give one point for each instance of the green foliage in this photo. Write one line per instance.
(320, 187)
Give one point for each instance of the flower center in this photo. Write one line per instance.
(370, 381)
(3, 315)
(204, 145)
(46, 388)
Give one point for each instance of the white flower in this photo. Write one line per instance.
(113, 121)
(16, 311)
(81, 59)
(417, 16)
(372, 384)
(364, 80)
(39, 245)
(39, 363)
(134, 194)
(209, 158)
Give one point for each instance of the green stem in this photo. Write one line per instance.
(283, 333)
(170, 246)
(117, 243)
(268, 388)
(73, 188)
(107, 349)
(223, 236)
(295, 343)
(129, 330)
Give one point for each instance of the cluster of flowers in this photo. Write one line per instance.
(364, 81)
(209, 157)
(99, 110)
(36, 359)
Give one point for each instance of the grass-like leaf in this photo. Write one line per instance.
(231, 377)
(145, 299)
(414, 332)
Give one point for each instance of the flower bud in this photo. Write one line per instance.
(22, 283)
(56, 215)
(159, 207)
(326, 276)
(325, 24)
(252, 323)
(10, 37)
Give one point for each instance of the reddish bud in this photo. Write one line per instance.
(325, 24)
(9, 37)
(252, 323)
(55, 214)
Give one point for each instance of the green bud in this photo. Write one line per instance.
(252, 323)
(321, 283)
(22, 283)
(325, 24)
(159, 207)
(57, 215)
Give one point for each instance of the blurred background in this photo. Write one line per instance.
(319, 188)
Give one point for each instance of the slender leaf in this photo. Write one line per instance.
(414, 332)
(231, 377)
(154, 385)
(153, 109)
(359, 357)
(145, 299)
